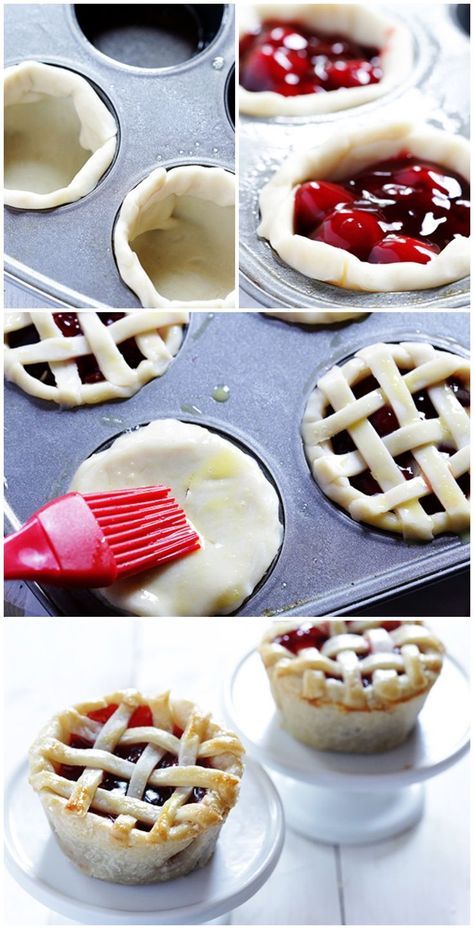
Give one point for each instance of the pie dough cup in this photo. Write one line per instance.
(225, 495)
(158, 335)
(344, 154)
(59, 136)
(307, 318)
(113, 850)
(329, 715)
(175, 238)
(403, 369)
(352, 20)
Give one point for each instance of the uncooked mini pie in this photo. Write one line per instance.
(59, 136)
(89, 357)
(225, 495)
(387, 437)
(136, 788)
(307, 318)
(351, 685)
(302, 59)
(376, 208)
(174, 238)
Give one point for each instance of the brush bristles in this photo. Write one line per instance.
(144, 526)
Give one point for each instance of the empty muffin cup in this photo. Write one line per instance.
(174, 239)
(60, 138)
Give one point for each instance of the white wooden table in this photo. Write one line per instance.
(419, 878)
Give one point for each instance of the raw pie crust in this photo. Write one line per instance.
(175, 238)
(224, 494)
(351, 20)
(158, 335)
(183, 835)
(401, 370)
(347, 697)
(307, 318)
(344, 153)
(59, 136)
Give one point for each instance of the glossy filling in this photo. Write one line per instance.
(87, 365)
(315, 636)
(403, 209)
(290, 59)
(384, 421)
(142, 716)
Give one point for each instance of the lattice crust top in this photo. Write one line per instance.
(361, 664)
(202, 782)
(396, 456)
(157, 335)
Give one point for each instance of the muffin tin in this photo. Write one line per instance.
(180, 113)
(436, 92)
(328, 563)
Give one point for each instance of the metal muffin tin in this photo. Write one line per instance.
(328, 563)
(437, 91)
(171, 116)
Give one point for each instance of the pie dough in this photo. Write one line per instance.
(134, 816)
(59, 136)
(436, 442)
(347, 151)
(158, 335)
(307, 318)
(349, 19)
(225, 496)
(175, 238)
(351, 685)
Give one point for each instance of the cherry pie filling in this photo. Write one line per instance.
(87, 365)
(384, 421)
(157, 796)
(311, 636)
(399, 210)
(290, 59)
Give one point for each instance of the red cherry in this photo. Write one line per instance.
(142, 716)
(428, 178)
(357, 73)
(402, 248)
(313, 200)
(356, 231)
(102, 715)
(261, 72)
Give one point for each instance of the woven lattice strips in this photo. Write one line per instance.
(439, 446)
(158, 335)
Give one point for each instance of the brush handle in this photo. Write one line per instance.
(28, 554)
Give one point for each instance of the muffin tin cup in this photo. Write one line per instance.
(328, 563)
(166, 117)
(437, 91)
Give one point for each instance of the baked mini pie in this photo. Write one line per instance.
(174, 239)
(89, 357)
(387, 437)
(308, 318)
(375, 208)
(351, 685)
(136, 788)
(60, 138)
(224, 494)
(302, 59)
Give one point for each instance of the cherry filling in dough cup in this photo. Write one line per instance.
(225, 495)
(60, 138)
(309, 59)
(381, 209)
(174, 239)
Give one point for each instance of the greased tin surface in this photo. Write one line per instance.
(328, 563)
(437, 92)
(180, 114)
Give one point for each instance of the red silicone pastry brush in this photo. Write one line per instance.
(92, 540)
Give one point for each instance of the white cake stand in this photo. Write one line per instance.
(247, 852)
(350, 799)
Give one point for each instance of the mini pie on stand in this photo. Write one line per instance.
(88, 357)
(136, 788)
(387, 437)
(351, 685)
